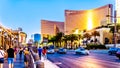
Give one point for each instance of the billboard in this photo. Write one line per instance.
(37, 37)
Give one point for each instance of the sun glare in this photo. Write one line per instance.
(118, 20)
(76, 31)
(90, 20)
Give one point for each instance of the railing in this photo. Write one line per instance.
(112, 45)
(34, 65)
(37, 62)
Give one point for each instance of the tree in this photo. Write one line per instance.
(72, 37)
(112, 28)
(59, 37)
(65, 39)
(53, 40)
(86, 35)
(95, 33)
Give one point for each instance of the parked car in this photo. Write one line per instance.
(118, 53)
(62, 51)
(82, 51)
(50, 51)
(112, 50)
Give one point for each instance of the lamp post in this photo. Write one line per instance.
(18, 38)
(0, 36)
(5, 40)
(115, 31)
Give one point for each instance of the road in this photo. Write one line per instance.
(96, 59)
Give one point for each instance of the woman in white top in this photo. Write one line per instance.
(2, 54)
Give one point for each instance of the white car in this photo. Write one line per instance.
(51, 51)
(62, 51)
(82, 51)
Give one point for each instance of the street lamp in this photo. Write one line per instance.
(115, 31)
(0, 36)
(6, 39)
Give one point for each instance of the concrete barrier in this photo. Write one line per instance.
(37, 62)
(112, 45)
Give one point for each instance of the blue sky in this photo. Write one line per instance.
(28, 13)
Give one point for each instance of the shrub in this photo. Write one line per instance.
(95, 46)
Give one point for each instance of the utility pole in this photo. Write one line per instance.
(115, 29)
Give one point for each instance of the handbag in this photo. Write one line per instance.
(5, 55)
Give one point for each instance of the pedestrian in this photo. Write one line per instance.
(40, 52)
(20, 53)
(44, 53)
(15, 49)
(26, 57)
(2, 54)
(11, 56)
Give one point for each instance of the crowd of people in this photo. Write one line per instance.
(11, 52)
(42, 52)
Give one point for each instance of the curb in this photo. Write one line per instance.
(49, 64)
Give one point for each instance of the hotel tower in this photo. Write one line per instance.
(118, 10)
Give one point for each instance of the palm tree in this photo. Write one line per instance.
(112, 30)
(87, 35)
(59, 37)
(72, 37)
(65, 39)
(95, 33)
(53, 40)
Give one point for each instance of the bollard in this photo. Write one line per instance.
(39, 64)
(37, 60)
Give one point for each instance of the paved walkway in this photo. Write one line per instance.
(17, 64)
(48, 64)
(20, 63)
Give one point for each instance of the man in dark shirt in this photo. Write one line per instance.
(11, 56)
(40, 52)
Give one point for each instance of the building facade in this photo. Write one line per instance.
(19, 38)
(36, 37)
(22, 37)
(11, 37)
(50, 28)
(118, 10)
(87, 19)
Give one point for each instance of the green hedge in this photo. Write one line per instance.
(95, 46)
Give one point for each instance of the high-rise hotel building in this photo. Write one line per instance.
(118, 10)
(78, 19)
(87, 19)
(50, 28)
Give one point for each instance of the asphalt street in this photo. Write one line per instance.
(96, 59)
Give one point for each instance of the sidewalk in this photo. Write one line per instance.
(20, 63)
(17, 64)
(48, 64)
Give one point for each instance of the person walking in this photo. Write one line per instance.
(44, 53)
(2, 54)
(15, 49)
(20, 53)
(11, 56)
(40, 52)
(26, 57)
